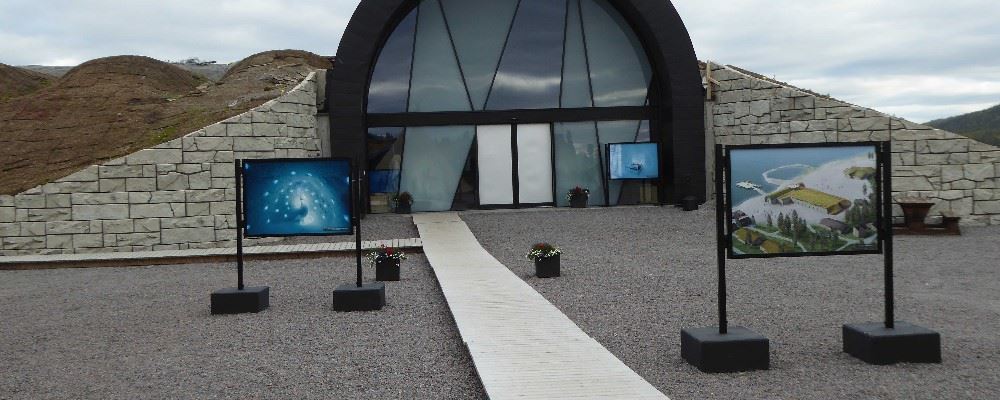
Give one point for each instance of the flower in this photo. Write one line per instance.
(577, 192)
(542, 250)
(384, 252)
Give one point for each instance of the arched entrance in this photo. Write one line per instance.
(509, 103)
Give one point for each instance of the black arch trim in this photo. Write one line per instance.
(680, 107)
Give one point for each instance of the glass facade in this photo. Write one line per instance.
(488, 56)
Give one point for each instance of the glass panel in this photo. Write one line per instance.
(615, 132)
(391, 78)
(479, 29)
(576, 78)
(534, 164)
(496, 165)
(578, 161)
(432, 164)
(437, 82)
(531, 67)
(619, 70)
(385, 157)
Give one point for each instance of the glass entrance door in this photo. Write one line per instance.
(515, 169)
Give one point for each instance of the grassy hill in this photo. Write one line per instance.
(18, 81)
(983, 126)
(114, 106)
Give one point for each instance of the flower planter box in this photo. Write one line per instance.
(578, 201)
(387, 269)
(403, 208)
(547, 267)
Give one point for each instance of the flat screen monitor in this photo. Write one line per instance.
(297, 197)
(633, 161)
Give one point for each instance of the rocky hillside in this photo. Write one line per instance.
(110, 107)
(983, 126)
(16, 82)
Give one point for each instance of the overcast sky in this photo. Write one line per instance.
(918, 59)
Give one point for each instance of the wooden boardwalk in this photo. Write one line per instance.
(523, 347)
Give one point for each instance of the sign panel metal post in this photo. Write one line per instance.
(720, 234)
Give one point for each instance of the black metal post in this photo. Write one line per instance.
(239, 224)
(357, 221)
(886, 149)
(720, 234)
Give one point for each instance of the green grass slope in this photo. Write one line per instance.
(983, 126)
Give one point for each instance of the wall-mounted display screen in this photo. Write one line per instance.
(297, 197)
(803, 200)
(633, 161)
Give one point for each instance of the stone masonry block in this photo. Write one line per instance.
(162, 210)
(57, 200)
(173, 181)
(187, 235)
(100, 198)
(188, 222)
(49, 214)
(239, 130)
(67, 227)
(147, 225)
(140, 184)
(120, 171)
(88, 174)
(93, 212)
(223, 170)
(155, 156)
(88, 241)
(10, 229)
(7, 214)
(254, 144)
(198, 209)
(32, 229)
(119, 226)
(29, 201)
(979, 172)
(112, 185)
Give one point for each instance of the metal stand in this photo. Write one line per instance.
(240, 299)
(359, 296)
(891, 341)
(721, 349)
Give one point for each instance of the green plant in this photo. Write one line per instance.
(577, 192)
(404, 198)
(542, 250)
(384, 252)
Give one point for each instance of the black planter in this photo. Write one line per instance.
(386, 269)
(578, 201)
(547, 267)
(403, 208)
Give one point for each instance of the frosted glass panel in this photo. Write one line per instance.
(432, 164)
(576, 78)
(391, 77)
(615, 132)
(531, 66)
(479, 29)
(619, 70)
(578, 161)
(496, 166)
(534, 164)
(437, 82)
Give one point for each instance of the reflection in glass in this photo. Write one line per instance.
(530, 69)
(437, 82)
(578, 161)
(576, 78)
(385, 160)
(479, 30)
(433, 163)
(391, 78)
(619, 71)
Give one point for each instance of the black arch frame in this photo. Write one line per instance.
(676, 110)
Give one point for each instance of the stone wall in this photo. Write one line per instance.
(958, 173)
(175, 196)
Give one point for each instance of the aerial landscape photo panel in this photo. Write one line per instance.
(794, 200)
(308, 197)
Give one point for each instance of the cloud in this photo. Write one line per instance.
(921, 59)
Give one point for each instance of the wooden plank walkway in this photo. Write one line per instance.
(166, 257)
(523, 347)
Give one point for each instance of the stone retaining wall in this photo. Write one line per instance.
(958, 173)
(175, 196)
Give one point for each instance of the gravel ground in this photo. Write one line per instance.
(147, 333)
(634, 277)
